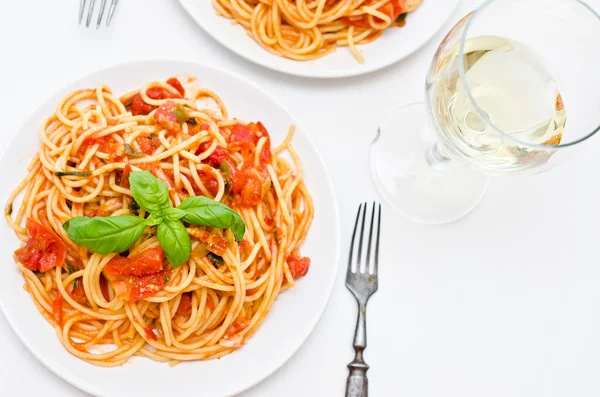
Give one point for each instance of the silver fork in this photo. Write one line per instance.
(361, 280)
(111, 11)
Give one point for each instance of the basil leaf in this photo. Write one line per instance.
(203, 211)
(104, 235)
(174, 214)
(154, 219)
(149, 192)
(175, 241)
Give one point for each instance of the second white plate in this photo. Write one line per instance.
(394, 45)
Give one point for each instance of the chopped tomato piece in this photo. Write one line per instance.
(147, 286)
(138, 106)
(216, 244)
(251, 194)
(173, 82)
(57, 309)
(125, 177)
(148, 143)
(236, 326)
(185, 304)
(393, 9)
(238, 178)
(209, 181)
(150, 333)
(269, 221)
(148, 262)
(106, 145)
(134, 288)
(217, 156)
(161, 93)
(241, 138)
(78, 293)
(44, 249)
(245, 248)
(166, 117)
(298, 266)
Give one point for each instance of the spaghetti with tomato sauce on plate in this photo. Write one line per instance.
(154, 225)
(305, 30)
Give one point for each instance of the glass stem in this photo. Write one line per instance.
(436, 157)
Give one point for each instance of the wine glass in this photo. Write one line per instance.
(513, 88)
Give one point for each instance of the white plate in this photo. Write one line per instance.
(392, 46)
(286, 327)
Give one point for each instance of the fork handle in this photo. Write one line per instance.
(357, 384)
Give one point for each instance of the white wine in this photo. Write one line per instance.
(516, 94)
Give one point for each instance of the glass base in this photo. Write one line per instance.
(429, 193)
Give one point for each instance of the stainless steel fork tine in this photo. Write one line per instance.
(111, 12)
(90, 12)
(101, 13)
(370, 240)
(377, 241)
(353, 238)
(81, 8)
(360, 242)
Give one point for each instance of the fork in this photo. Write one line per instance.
(111, 11)
(361, 280)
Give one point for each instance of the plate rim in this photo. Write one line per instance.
(81, 384)
(186, 5)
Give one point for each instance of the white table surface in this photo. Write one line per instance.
(506, 302)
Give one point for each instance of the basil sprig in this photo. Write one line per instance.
(104, 235)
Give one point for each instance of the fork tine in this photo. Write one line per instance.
(81, 8)
(360, 242)
(101, 13)
(377, 242)
(90, 12)
(111, 12)
(353, 237)
(370, 240)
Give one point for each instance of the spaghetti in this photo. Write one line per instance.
(107, 308)
(309, 29)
